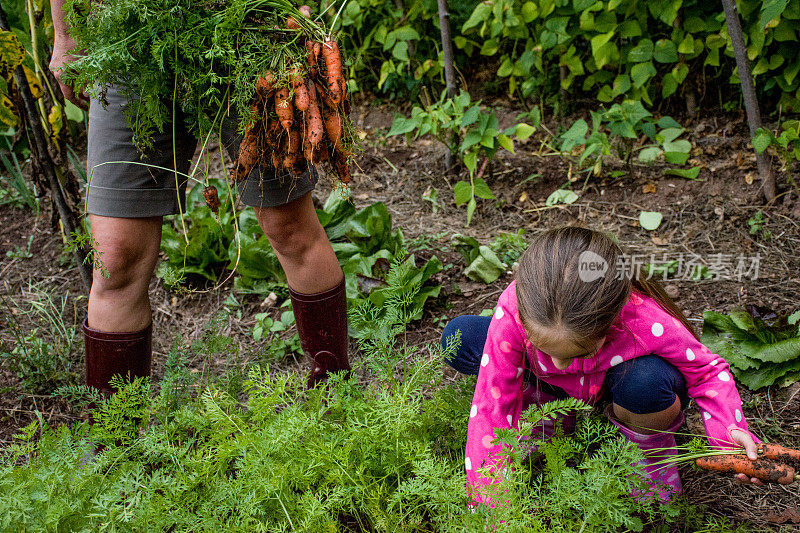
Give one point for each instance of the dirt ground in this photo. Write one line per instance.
(706, 220)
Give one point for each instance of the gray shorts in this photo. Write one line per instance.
(120, 187)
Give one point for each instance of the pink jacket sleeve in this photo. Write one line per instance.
(498, 396)
(708, 376)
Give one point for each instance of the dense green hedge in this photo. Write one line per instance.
(605, 48)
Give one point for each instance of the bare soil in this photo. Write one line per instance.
(702, 219)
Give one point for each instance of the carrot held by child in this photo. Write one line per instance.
(762, 469)
(770, 466)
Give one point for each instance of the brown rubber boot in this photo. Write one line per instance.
(322, 324)
(108, 354)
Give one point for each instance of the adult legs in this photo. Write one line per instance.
(316, 282)
(118, 329)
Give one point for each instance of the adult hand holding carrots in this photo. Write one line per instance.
(759, 463)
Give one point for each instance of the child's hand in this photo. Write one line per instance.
(743, 439)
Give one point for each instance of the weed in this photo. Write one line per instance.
(41, 356)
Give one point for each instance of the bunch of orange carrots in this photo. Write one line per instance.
(299, 120)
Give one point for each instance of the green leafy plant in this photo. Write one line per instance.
(623, 49)
(41, 356)
(784, 145)
(383, 453)
(616, 130)
(203, 251)
(396, 47)
(488, 263)
(761, 347)
(266, 331)
(470, 133)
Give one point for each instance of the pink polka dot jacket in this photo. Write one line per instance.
(643, 328)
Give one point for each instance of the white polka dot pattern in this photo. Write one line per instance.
(542, 366)
(617, 359)
(474, 411)
(738, 415)
(690, 354)
(467, 463)
(724, 376)
(657, 329)
(706, 415)
(498, 313)
(509, 420)
(485, 359)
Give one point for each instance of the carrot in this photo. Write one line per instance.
(333, 68)
(339, 161)
(247, 156)
(779, 453)
(283, 107)
(265, 85)
(212, 198)
(333, 126)
(740, 464)
(313, 117)
(305, 11)
(300, 93)
(322, 94)
(292, 24)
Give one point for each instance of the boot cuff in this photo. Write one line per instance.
(331, 293)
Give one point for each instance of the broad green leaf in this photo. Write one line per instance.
(523, 131)
(478, 16)
(470, 116)
(650, 154)
(462, 192)
(529, 12)
(575, 136)
(641, 72)
(506, 142)
(561, 196)
(471, 210)
(471, 161)
(401, 125)
(486, 267)
(677, 158)
(665, 51)
(668, 85)
(762, 140)
(642, 52)
(687, 45)
(482, 190)
(770, 10)
(687, 173)
(400, 51)
(650, 220)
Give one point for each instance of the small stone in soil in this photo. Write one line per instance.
(672, 291)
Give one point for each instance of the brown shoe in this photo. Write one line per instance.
(322, 324)
(108, 354)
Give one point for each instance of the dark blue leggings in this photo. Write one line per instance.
(646, 384)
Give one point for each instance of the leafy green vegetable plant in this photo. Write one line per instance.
(616, 130)
(761, 347)
(468, 132)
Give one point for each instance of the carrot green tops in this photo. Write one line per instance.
(643, 328)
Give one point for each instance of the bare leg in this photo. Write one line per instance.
(649, 423)
(128, 250)
(301, 245)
